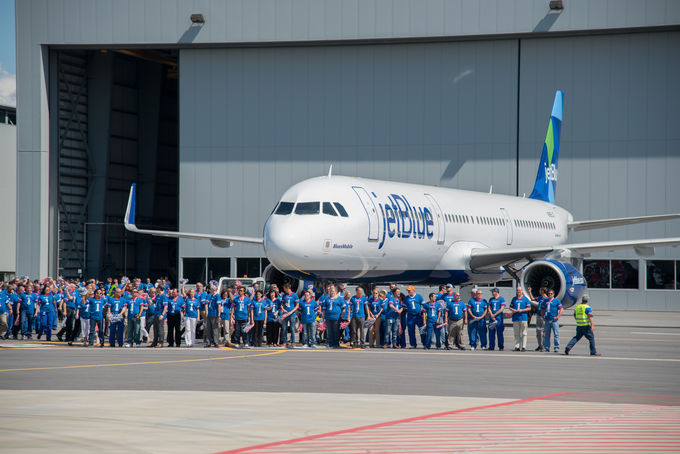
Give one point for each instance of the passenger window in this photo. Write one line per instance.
(307, 208)
(284, 208)
(341, 210)
(328, 209)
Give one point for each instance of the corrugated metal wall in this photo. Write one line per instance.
(255, 121)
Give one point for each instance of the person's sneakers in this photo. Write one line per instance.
(159, 346)
(70, 344)
(515, 349)
(538, 349)
(472, 348)
(490, 349)
(566, 351)
(500, 348)
(556, 350)
(305, 346)
(59, 337)
(524, 349)
(596, 354)
(126, 345)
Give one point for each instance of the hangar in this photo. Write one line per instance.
(216, 107)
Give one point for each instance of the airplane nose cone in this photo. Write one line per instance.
(280, 244)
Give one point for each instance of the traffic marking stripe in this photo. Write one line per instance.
(614, 423)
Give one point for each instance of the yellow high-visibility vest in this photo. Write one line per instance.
(580, 315)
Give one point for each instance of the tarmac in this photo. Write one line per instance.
(77, 399)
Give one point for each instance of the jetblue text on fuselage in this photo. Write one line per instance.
(550, 173)
(402, 220)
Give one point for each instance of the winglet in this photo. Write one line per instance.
(546, 177)
(130, 212)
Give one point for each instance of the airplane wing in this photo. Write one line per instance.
(481, 259)
(217, 240)
(616, 222)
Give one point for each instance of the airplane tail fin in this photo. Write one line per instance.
(546, 178)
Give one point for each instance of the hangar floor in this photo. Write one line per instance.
(208, 400)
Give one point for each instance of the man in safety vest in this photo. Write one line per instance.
(584, 326)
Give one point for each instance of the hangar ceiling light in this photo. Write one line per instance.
(556, 5)
(197, 19)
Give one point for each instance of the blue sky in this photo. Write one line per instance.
(8, 65)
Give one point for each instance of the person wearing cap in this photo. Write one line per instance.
(496, 307)
(477, 309)
(456, 317)
(413, 304)
(520, 307)
(584, 326)
(551, 312)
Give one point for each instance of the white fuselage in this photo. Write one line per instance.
(399, 232)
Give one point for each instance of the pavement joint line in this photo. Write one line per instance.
(83, 366)
(655, 334)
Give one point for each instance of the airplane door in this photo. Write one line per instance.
(508, 226)
(439, 219)
(371, 212)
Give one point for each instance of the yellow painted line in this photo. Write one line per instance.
(145, 362)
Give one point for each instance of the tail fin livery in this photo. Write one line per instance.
(546, 178)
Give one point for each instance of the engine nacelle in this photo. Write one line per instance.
(272, 275)
(562, 277)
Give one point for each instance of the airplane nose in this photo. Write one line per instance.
(280, 244)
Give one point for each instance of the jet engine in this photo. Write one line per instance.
(272, 275)
(562, 277)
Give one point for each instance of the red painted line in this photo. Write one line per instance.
(384, 424)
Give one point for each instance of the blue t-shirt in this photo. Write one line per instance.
(226, 307)
(334, 307)
(115, 305)
(551, 308)
(272, 308)
(84, 310)
(374, 305)
(174, 305)
(135, 306)
(4, 302)
(477, 308)
(96, 306)
(358, 306)
(70, 300)
(27, 303)
(212, 304)
(495, 305)
(308, 310)
(289, 301)
(431, 311)
(241, 308)
(520, 303)
(456, 309)
(390, 308)
(46, 304)
(258, 308)
(191, 307)
(413, 304)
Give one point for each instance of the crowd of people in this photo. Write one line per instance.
(132, 312)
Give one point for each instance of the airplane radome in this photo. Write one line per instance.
(359, 230)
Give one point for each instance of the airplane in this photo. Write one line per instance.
(359, 230)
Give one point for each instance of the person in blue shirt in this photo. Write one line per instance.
(273, 324)
(375, 310)
(214, 306)
(96, 311)
(15, 302)
(392, 311)
(240, 314)
(413, 305)
(289, 305)
(5, 312)
(333, 309)
(135, 307)
(27, 310)
(47, 313)
(496, 327)
(308, 310)
(224, 305)
(477, 309)
(115, 311)
(191, 309)
(520, 307)
(175, 303)
(83, 316)
(431, 313)
(456, 317)
(551, 312)
(357, 305)
(258, 315)
(540, 321)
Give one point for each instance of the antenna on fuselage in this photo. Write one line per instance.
(491, 189)
(330, 171)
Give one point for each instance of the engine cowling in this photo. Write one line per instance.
(272, 275)
(568, 283)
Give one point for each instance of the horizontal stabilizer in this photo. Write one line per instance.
(606, 223)
(222, 241)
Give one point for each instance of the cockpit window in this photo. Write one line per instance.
(328, 209)
(307, 208)
(284, 208)
(341, 210)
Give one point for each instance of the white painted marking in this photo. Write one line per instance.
(655, 334)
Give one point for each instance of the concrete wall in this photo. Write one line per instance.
(8, 197)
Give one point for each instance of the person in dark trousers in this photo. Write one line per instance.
(175, 303)
(584, 326)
